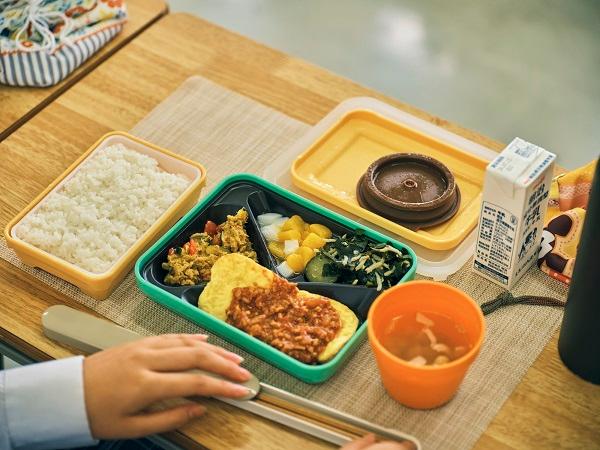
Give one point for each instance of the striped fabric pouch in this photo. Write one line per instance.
(43, 41)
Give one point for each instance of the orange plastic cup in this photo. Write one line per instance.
(424, 387)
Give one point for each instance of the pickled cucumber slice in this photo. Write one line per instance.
(315, 270)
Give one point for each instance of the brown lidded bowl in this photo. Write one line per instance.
(414, 190)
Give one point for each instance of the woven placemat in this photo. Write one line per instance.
(229, 133)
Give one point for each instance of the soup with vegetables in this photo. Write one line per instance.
(425, 339)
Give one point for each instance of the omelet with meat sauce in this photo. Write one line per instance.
(308, 327)
(192, 263)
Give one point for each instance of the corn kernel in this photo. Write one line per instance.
(307, 253)
(293, 223)
(296, 262)
(321, 230)
(276, 249)
(313, 241)
(289, 235)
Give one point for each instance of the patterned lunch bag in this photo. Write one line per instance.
(43, 41)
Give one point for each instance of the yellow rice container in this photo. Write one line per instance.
(100, 285)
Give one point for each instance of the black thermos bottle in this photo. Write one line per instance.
(579, 340)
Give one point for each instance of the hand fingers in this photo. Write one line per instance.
(226, 353)
(369, 442)
(190, 340)
(172, 385)
(361, 443)
(162, 421)
(390, 445)
(174, 340)
(188, 358)
(218, 350)
(408, 445)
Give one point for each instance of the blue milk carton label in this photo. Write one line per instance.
(515, 196)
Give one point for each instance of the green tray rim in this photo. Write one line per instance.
(305, 372)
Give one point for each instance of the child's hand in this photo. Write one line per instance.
(369, 442)
(121, 382)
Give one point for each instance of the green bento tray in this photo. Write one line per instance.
(176, 298)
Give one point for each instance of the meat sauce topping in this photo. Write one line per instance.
(300, 327)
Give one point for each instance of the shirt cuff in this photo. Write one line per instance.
(45, 405)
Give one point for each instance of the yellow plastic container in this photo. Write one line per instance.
(100, 285)
(332, 166)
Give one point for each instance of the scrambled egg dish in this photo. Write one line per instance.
(192, 263)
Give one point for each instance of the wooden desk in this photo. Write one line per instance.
(19, 104)
(551, 408)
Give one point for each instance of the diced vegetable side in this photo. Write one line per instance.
(349, 259)
(292, 241)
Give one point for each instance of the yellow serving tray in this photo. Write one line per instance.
(332, 166)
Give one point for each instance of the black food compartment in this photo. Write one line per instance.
(258, 197)
(217, 213)
(258, 200)
(261, 202)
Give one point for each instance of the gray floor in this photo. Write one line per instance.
(528, 68)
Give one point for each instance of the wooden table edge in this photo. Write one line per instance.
(75, 77)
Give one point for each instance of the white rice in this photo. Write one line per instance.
(95, 217)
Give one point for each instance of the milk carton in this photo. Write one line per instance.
(515, 196)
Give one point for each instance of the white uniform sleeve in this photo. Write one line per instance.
(43, 406)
